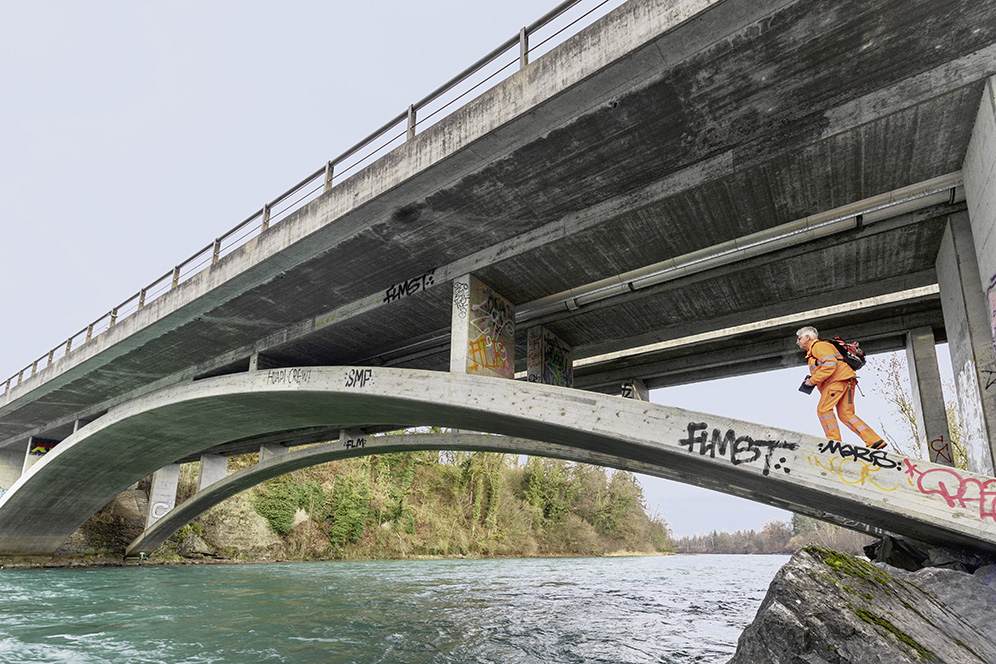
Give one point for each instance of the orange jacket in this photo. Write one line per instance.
(826, 365)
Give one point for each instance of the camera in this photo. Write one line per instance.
(807, 389)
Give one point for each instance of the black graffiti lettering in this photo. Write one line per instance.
(692, 438)
(358, 377)
(744, 444)
(878, 458)
(410, 287)
(727, 441)
(352, 444)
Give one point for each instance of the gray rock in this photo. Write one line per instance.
(825, 607)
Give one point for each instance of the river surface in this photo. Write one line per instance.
(654, 609)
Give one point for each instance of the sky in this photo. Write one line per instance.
(134, 133)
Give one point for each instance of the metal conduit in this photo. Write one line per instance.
(944, 189)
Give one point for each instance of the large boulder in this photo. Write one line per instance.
(826, 607)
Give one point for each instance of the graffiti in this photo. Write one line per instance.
(558, 363)
(742, 449)
(855, 469)
(955, 489)
(41, 446)
(487, 353)
(461, 298)
(990, 377)
(991, 299)
(940, 451)
(358, 377)
(409, 287)
(534, 357)
(159, 510)
(288, 376)
(972, 422)
(854, 525)
(2, 491)
(492, 333)
(629, 391)
(878, 458)
(354, 443)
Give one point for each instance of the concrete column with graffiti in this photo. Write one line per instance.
(979, 172)
(550, 359)
(966, 321)
(482, 339)
(37, 448)
(928, 399)
(214, 468)
(162, 496)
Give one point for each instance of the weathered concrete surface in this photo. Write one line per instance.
(774, 466)
(825, 607)
(666, 128)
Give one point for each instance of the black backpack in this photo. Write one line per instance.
(850, 351)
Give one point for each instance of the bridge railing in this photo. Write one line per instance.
(553, 28)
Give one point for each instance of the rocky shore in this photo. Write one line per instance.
(912, 604)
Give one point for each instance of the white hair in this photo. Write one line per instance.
(808, 331)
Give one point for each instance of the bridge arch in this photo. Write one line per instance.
(774, 466)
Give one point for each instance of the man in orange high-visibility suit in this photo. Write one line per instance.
(836, 380)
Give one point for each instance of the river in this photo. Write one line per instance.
(643, 609)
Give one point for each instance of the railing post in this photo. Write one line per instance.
(20, 376)
(411, 122)
(328, 175)
(217, 251)
(69, 345)
(89, 332)
(114, 317)
(34, 367)
(6, 387)
(523, 48)
(176, 277)
(51, 357)
(266, 216)
(141, 298)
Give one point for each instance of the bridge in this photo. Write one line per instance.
(663, 198)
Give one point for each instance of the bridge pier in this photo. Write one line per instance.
(928, 398)
(11, 465)
(214, 468)
(972, 357)
(549, 358)
(162, 496)
(482, 340)
(634, 388)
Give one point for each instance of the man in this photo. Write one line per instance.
(836, 380)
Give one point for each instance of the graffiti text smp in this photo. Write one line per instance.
(358, 377)
(742, 449)
(409, 287)
(288, 376)
(461, 298)
(956, 489)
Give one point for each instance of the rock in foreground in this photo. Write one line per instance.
(830, 607)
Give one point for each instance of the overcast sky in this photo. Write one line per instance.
(134, 133)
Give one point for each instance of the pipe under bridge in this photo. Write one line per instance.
(790, 470)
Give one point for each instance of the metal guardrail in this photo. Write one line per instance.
(393, 133)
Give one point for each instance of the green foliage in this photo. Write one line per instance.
(460, 503)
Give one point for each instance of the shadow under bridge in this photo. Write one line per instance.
(782, 468)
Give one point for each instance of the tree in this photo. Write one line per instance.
(892, 383)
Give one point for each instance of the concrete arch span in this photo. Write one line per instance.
(774, 466)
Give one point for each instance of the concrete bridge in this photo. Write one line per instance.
(663, 198)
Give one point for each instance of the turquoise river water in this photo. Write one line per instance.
(654, 609)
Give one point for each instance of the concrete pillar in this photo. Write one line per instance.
(928, 399)
(11, 465)
(634, 388)
(214, 468)
(162, 495)
(352, 438)
(979, 172)
(269, 450)
(549, 359)
(966, 321)
(482, 338)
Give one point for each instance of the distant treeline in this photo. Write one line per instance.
(785, 537)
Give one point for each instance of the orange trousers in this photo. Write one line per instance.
(840, 395)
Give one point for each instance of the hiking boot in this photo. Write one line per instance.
(878, 445)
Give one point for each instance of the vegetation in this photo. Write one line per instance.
(777, 537)
(445, 504)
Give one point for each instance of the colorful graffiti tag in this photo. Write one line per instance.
(491, 342)
(955, 488)
(40, 446)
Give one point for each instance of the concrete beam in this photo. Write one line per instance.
(979, 172)
(928, 398)
(967, 323)
(779, 467)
